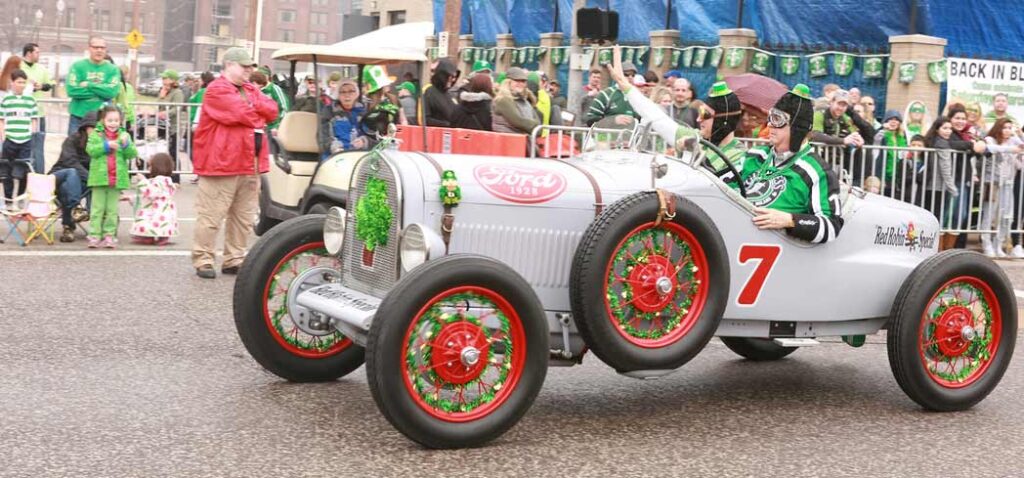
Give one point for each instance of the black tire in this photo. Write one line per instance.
(758, 350)
(399, 313)
(906, 346)
(254, 324)
(592, 261)
(319, 208)
(265, 223)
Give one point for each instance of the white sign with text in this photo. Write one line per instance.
(971, 80)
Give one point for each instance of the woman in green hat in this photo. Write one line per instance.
(171, 93)
(916, 119)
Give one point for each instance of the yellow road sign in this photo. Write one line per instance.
(134, 39)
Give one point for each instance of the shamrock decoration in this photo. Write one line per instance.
(734, 58)
(790, 65)
(450, 191)
(842, 64)
(760, 63)
(873, 67)
(819, 65)
(937, 71)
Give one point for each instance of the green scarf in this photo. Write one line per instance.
(892, 158)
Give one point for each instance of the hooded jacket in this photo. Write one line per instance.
(473, 112)
(225, 141)
(438, 107)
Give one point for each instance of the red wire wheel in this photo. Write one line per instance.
(960, 332)
(284, 338)
(649, 297)
(952, 330)
(656, 284)
(464, 354)
(311, 264)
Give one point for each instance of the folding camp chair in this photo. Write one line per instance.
(37, 209)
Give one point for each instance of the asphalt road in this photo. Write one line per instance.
(125, 364)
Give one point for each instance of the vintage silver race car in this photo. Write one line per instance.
(459, 279)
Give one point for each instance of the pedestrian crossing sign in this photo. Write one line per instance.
(134, 39)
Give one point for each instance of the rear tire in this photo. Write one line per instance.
(758, 350)
(417, 365)
(283, 344)
(648, 297)
(952, 330)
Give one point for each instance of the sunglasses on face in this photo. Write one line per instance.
(778, 118)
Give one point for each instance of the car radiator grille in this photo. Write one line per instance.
(378, 278)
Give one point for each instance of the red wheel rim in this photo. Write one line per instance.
(279, 322)
(453, 328)
(960, 332)
(655, 284)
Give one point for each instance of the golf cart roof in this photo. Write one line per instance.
(393, 44)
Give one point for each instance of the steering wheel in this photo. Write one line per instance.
(728, 165)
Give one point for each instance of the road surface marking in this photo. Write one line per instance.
(99, 253)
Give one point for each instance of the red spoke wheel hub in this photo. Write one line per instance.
(460, 353)
(653, 283)
(960, 332)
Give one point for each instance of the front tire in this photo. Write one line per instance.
(952, 331)
(758, 350)
(457, 352)
(272, 327)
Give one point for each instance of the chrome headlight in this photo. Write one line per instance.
(419, 244)
(334, 230)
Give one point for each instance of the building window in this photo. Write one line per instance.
(127, 22)
(319, 3)
(212, 56)
(102, 20)
(319, 18)
(69, 18)
(287, 16)
(221, 30)
(222, 8)
(318, 38)
(287, 36)
(375, 21)
(357, 6)
(396, 17)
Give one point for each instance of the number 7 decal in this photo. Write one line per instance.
(765, 255)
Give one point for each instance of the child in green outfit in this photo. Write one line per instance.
(110, 148)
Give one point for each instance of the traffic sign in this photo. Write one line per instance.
(134, 39)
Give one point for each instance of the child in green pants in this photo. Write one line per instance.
(110, 148)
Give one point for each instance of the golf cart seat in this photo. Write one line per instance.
(297, 136)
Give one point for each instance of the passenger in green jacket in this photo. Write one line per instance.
(262, 79)
(91, 83)
(611, 102)
(109, 148)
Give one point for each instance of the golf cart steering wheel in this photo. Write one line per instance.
(728, 165)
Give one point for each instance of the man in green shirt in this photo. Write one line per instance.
(262, 79)
(41, 82)
(91, 83)
(1000, 103)
(611, 102)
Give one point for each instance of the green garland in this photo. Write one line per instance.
(374, 215)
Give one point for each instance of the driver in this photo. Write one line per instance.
(718, 121)
(789, 185)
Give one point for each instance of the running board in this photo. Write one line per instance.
(794, 342)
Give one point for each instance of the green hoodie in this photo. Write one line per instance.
(104, 83)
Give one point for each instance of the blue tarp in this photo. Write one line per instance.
(980, 29)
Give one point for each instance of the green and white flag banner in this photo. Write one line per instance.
(761, 62)
(873, 67)
(937, 71)
(908, 71)
(734, 58)
(790, 64)
(842, 64)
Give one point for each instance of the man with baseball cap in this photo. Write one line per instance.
(230, 154)
(610, 102)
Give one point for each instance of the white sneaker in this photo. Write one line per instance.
(1000, 254)
(986, 247)
(1017, 252)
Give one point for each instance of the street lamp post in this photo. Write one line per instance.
(39, 22)
(60, 19)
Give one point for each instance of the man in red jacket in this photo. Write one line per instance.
(230, 152)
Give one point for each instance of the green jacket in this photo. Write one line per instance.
(800, 184)
(125, 100)
(277, 94)
(173, 96)
(734, 152)
(196, 99)
(97, 150)
(39, 74)
(104, 83)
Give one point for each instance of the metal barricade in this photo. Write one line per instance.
(155, 127)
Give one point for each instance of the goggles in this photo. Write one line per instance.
(778, 118)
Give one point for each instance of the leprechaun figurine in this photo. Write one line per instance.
(450, 191)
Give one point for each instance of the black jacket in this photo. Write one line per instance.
(73, 156)
(473, 111)
(437, 106)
